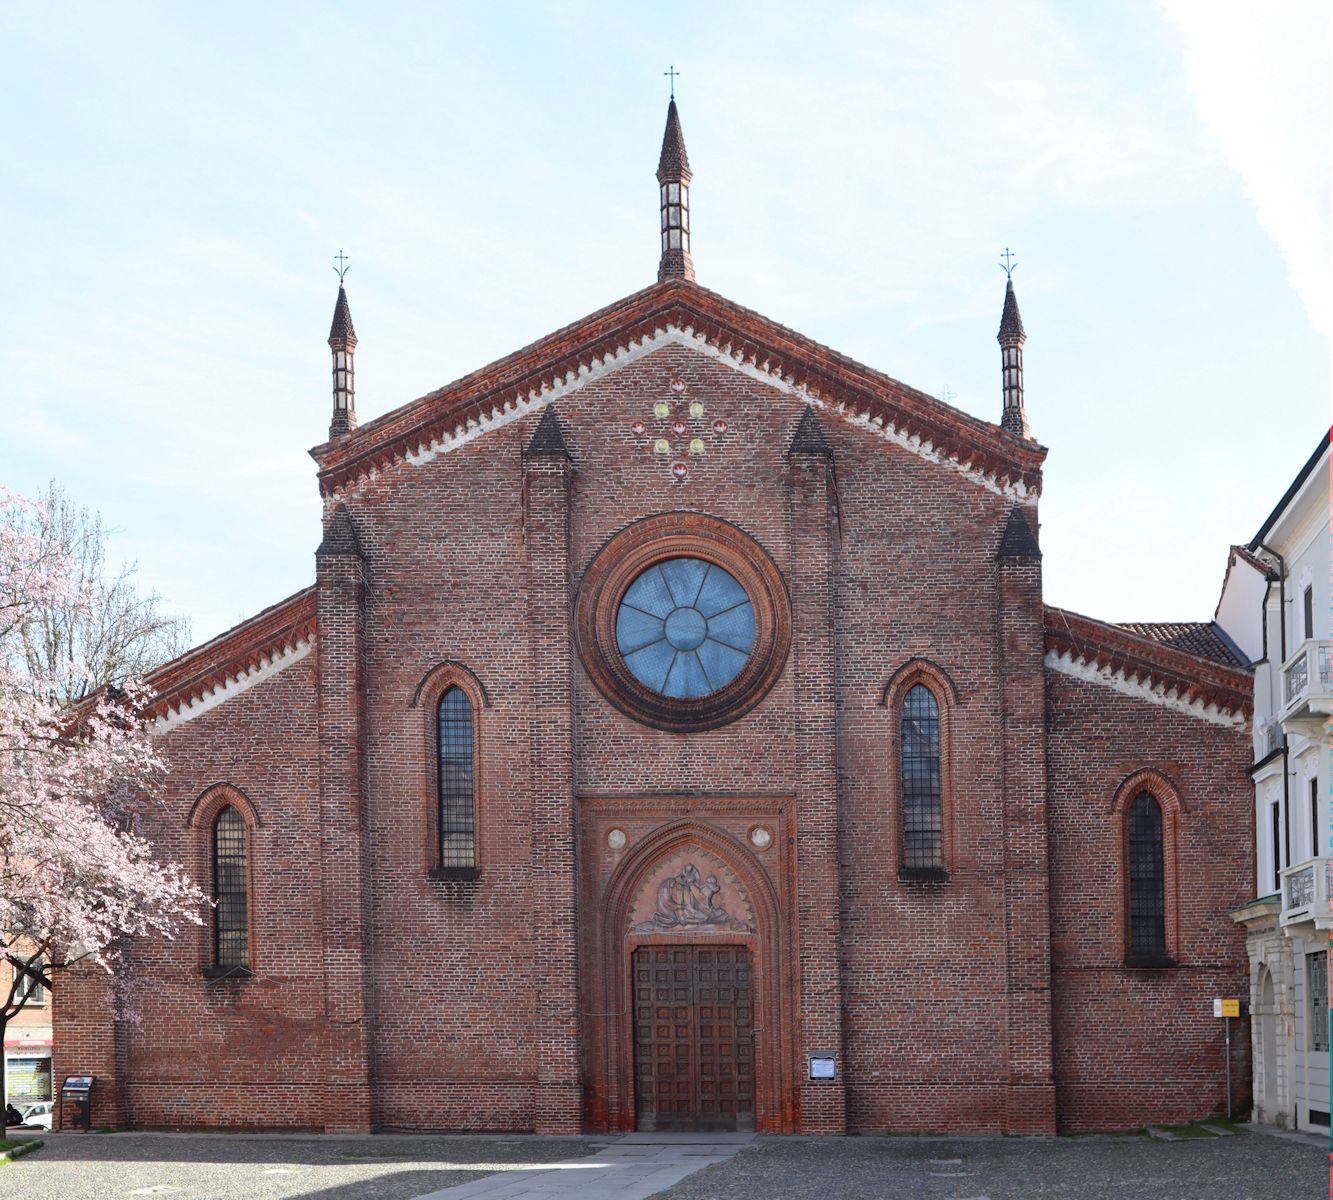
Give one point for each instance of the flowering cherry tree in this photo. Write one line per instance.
(76, 881)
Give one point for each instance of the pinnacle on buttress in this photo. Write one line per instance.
(673, 177)
(809, 436)
(340, 537)
(342, 341)
(1018, 539)
(548, 439)
(1011, 338)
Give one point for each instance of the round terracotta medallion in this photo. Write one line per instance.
(616, 839)
(760, 838)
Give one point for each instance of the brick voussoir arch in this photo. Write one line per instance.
(217, 796)
(775, 1006)
(1162, 789)
(444, 675)
(919, 670)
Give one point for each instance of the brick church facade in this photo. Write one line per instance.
(675, 736)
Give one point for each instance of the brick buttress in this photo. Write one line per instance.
(823, 1103)
(1030, 1097)
(547, 474)
(340, 574)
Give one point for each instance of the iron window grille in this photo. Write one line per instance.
(1316, 974)
(231, 932)
(457, 825)
(921, 780)
(1147, 882)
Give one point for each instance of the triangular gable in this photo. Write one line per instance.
(680, 311)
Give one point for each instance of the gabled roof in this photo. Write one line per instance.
(1263, 566)
(531, 377)
(1203, 639)
(1290, 494)
(1120, 655)
(268, 634)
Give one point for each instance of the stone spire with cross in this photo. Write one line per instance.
(1011, 338)
(342, 341)
(673, 177)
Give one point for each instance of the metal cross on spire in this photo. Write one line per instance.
(1008, 263)
(672, 72)
(342, 268)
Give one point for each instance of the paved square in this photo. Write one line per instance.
(1246, 1166)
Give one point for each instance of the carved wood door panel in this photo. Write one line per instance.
(693, 1038)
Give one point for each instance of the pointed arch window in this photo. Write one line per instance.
(922, 822)
(1146, 881)
(456, 784)
(231, 890)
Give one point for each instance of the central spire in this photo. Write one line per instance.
(673, 175)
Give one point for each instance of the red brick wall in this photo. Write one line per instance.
(214, 1052)
(1134, 1046)
(471, 1001)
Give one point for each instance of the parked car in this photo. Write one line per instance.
(37, 1114)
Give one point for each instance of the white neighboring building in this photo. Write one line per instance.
(1275, 606)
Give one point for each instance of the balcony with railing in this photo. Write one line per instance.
(1305, 898)
(1267, 738)
(1307, 687)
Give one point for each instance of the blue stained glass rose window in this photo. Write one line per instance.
(685, 628)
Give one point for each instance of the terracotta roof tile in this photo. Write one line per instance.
(1200, 638)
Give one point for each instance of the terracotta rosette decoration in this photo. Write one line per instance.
(676, 434)
(657, 540)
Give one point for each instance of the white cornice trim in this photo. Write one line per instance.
(520, 405)
(1117, 680)
(234, 685)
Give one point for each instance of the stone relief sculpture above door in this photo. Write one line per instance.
(687, 901)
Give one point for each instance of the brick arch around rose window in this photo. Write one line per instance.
(203, 826)
(773, 956)
(921, 672)
(1152, 782)
(424, 710)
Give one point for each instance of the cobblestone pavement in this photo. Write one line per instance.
(73, 1166)
(1247, 1166)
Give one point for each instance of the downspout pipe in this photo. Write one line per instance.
(1282, 657)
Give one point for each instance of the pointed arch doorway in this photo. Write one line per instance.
(685, 959)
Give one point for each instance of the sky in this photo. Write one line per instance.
(176, 178)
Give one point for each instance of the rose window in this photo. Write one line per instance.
(685, 628)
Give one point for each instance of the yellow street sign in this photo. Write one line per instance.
(1231, 1008)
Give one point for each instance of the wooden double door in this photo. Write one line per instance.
(693, 1037)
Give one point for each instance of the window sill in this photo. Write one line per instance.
(1149, 962)
(235, 973)
(454, 873)
(923, 875)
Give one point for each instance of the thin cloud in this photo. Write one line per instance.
(1260, 78)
